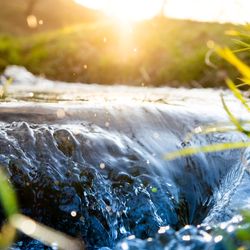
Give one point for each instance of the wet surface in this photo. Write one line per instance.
(89, 161)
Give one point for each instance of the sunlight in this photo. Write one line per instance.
(235, 11)
(126, 11)
(131, 10)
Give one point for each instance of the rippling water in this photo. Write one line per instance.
(88, 160)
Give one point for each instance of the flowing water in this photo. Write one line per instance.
(88, 160)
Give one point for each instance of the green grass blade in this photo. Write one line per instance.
(241, 50)
(229, 56)
(216, 128)
(9, 204)
(241, 43)
(206, 149)
(7, 196)
(237, 93)
(233, 119)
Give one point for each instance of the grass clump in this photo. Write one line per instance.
(243, 81)
(92, 52)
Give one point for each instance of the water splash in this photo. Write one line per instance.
(110, 185)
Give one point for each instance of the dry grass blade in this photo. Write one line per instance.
(4, 88)
(207, 59)
(26, 225)
(45, 234)
(244, 83)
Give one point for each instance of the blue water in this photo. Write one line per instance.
(99, 152)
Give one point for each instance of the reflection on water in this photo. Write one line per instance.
(87, 160)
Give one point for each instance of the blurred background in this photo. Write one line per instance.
(140, 42)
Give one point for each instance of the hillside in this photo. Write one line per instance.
(53, 14)
(75, 44)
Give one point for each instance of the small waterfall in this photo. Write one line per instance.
(95, 152)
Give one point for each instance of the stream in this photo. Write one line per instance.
(88, 160)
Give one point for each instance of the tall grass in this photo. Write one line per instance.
(244, 81)
(242, 233)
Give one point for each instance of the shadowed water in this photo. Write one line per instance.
(89, 161)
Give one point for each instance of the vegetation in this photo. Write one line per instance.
(241, 235)
(242, 42)
(155, 52)
(99, 51)
(14, 13)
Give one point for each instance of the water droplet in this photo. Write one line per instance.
(230, 229)
(102, 165)
(73, 213)
(198, 130)
(28, 226)
(223, 225)
(131, 237)
(54, 245)
(186, 237)
(206, 236)
(123, 230)
(32, 21)
(60, 113)
(156, 135)
(109, 208)
(162, 230)
(210, 44)
(218, 238)
(237, 219)
(124, 246)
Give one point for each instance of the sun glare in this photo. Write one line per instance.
(126, 11)
(131, 10)
(235, 11)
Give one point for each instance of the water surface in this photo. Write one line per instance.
(88, 160)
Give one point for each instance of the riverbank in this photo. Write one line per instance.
(152, 53)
